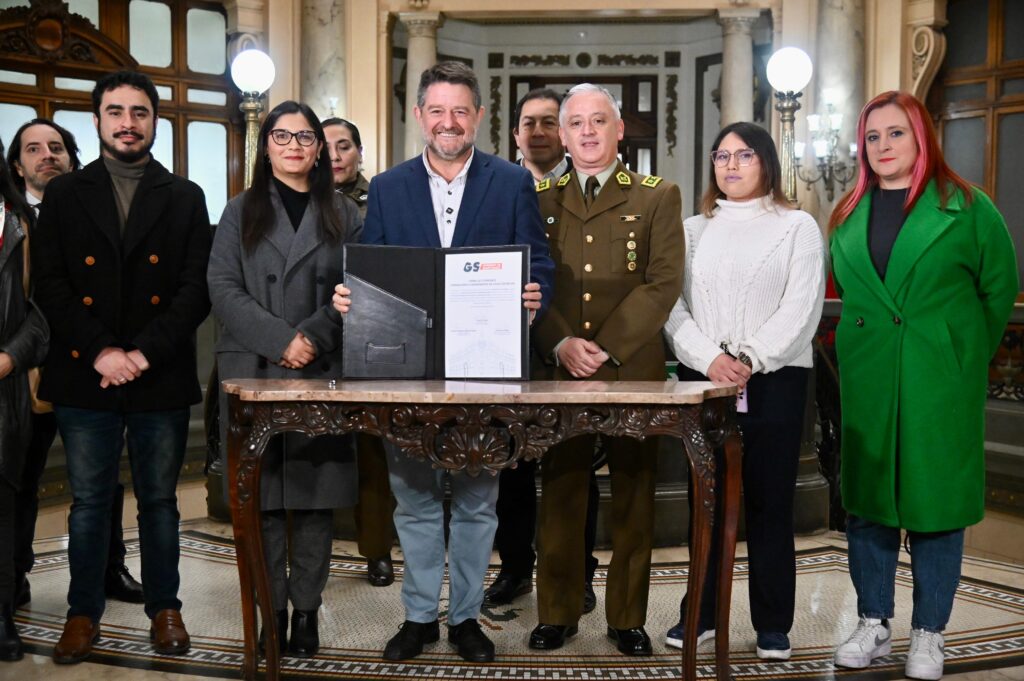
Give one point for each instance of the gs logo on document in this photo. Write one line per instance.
(481, 266)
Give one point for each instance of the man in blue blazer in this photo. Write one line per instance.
(452, 195)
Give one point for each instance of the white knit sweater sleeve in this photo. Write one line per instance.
(788, 331)
(688, 342)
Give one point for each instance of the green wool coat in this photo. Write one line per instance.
(913, 355)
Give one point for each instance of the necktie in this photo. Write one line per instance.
(590, 190)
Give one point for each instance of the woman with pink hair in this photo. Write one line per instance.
(926, 270)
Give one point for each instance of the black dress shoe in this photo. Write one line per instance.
(305, 639)
(282, 633)
(380, 571)
(120, 585)
(470, 642)
(631, 641)
(408, 642)
(22, 591)
(506, 588)
(589, 598)
(11, 649)
(551, 636)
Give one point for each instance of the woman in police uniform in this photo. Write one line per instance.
(346, 147)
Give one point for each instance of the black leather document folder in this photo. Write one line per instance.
(399, 327)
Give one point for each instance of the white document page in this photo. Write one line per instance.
(483, 315)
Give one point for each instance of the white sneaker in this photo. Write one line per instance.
(926, 656)
(871, 639)
(675, 636)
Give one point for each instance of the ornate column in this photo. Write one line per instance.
(322, 68)
(422, 54)
(737, 64)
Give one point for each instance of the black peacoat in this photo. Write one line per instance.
(145, 289)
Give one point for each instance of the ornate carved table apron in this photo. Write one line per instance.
(479, 428)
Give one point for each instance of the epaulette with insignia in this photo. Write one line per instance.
(544, 185)
(651, 181)
(564, 179)
(623, 179)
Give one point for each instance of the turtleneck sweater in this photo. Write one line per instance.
(754, 279)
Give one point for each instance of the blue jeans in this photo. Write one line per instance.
(419, 519)
(93, 441)
(935, 559)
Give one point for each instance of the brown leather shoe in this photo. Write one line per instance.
(75, 644)
(168, 633)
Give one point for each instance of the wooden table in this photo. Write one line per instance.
(467, 427)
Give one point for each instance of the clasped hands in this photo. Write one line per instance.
(728, 369)
(117, 367)
(581, 357)
(531, 299)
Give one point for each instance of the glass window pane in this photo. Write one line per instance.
(12, 116)
(4, 4)
(207, 97)
(165, 92)
(967, 33)
(643, 161)
(78, 84)
(80, 124)
(643, 97)
(163, 145)
(17, 77)
(149, 32)
(959, 93)
(963, 145)
(1013, 86)
(90, 9)
(1010, 178)
(1013, 22)
(207, 41)
(208, 163)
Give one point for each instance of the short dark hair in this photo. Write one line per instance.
(139, 81)
(758, 139)
(14, 152)
(453, 72)
(348, 124)
(536, 93)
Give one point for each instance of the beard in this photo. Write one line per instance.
(127, 156)
(430, 140)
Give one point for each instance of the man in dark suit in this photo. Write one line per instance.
(119, 257)
(452, 195)
(618, 241)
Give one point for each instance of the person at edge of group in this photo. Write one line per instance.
(276, 255)
(24, 337)
(449, 196)
(119, 258)
(40, 151)
(536, 135)
(926, 270)
(372, 512)
(753, 291)
(617, 241)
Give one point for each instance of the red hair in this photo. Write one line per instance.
(929, 164)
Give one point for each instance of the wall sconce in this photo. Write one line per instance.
(253, 73)
(789, 70)
(824, 129)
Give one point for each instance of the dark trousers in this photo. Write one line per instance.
(300, 574)
(26, 504)
(6, 542)
(771, 429)
(517, 521)
(374, 531)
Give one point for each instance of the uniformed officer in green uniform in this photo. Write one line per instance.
(617, 241)
(374, 532)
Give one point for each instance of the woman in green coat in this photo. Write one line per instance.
(926, 270)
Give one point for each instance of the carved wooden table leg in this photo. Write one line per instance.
(732, 463)
(701, 458)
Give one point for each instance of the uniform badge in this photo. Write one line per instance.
(651, 181)
(564, 179)
(630, 218)
(363, 197)
(623, 179)
(544, 185)
(551, 220)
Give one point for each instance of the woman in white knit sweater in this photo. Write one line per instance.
(752, 296)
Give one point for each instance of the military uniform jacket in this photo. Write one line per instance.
(618, 271)
(145, 289)
(358, 192)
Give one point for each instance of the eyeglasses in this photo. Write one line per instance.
(306, 138)
(744, 157)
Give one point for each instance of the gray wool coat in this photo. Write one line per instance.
(261, 299)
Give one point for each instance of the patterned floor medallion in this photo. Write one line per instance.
(986, 632)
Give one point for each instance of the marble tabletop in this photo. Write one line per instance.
(472, 392)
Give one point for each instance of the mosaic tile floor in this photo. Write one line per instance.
(985, 639)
